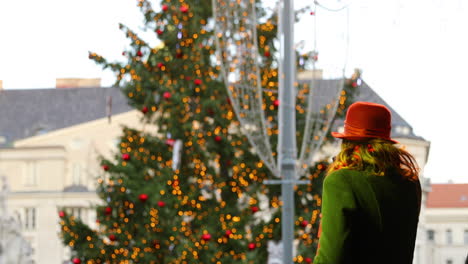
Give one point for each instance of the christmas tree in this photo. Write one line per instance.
(193, 191)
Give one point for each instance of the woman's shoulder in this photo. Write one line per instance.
(350, 176)
(344, 175)
(345, 172)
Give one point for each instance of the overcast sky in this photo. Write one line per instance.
(413, 54)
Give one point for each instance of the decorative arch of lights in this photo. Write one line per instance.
(237, 51)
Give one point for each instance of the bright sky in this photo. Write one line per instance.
(413, 54)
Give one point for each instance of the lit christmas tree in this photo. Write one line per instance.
(193, 192)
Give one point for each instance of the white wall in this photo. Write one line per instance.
(57, 160)
(440, 220)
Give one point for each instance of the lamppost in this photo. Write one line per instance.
(287, 125)
(235, 25)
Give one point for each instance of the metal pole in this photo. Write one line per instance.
(287, 124)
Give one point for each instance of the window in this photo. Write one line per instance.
(30, 218)
(77, 212)
(465, 237)
(449, 236)
(76, 174)
(30, 174)
(40, 131)
(430, 235)
(403, 130)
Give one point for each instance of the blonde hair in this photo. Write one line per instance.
(377, 156)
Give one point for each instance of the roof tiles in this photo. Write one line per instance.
(25, 113)
(448, 196)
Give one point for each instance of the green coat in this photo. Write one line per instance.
(368, 219)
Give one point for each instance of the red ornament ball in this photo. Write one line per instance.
(159, 31)
(76, 261)
(112, 237)
(161, 204)
(228, 233)
(105, 167)
(108, 210)
(125, 156)
(254, 209)
(308, 260)
(167, 95)
(218, 138)
(304, 223)
(170, 142)
(160, 65)
(184, 9)
(179, 54)
(276, 103)
(354, 84)
(61, 214)
(251, 246)
(267, 54)
(143, 197)
(312, 13)
(123, 53)
(206, 237)
(139, 53)
(175, 183)
(156, 243)
(144, 110)
(197, 81)
(164, 7)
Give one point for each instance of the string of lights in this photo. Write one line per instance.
(317, 3)
(236, 41)
(318, 124)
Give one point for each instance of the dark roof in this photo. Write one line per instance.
(25, 113)
(399, 124)
(400, 128)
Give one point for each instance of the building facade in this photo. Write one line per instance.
(51, 141)
(57, 171)
(446, 220)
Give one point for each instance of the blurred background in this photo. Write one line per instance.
(412, 56)
(412, 53)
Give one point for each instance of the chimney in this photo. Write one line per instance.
(77, 82)
(309, 74)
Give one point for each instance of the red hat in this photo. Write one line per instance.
(366, 120)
